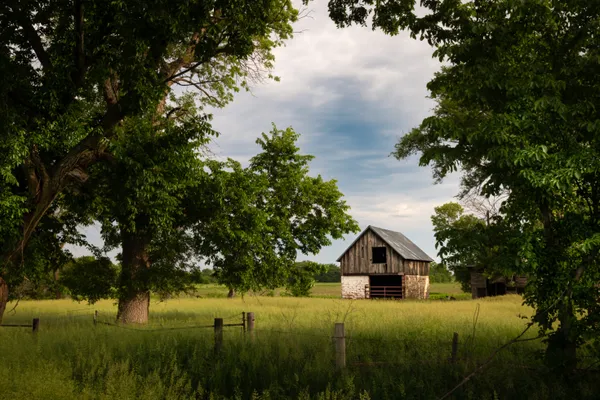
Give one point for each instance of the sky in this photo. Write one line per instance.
(351, 94)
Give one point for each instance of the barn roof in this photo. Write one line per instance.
(397, 241)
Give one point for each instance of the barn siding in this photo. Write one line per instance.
(357, 260)
(477, 280)
(521, 281)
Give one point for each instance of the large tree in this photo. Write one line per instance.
(171, 211)
(73, 71)
(137, 198)
(517, 103)
(261, 217)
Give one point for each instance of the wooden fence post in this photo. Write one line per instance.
(218, 334)
(250, 324)
(244, 322)
(340, 346)
(454, 348)
(35, 325)
(95, 317)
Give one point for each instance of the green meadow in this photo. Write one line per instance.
(395, 350)
(332, 290)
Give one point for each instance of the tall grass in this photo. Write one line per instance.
(395, 350)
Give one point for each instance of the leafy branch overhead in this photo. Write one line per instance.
(517, 113)
(76, 75)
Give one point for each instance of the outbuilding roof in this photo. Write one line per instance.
(397, 241)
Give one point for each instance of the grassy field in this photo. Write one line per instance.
(333, 290)
(395, 350)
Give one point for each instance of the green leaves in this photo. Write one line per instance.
(90, 279)
(258, 219)
(78, 79)
(516, 112)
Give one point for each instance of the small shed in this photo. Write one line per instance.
(384, 264)
(484, 286)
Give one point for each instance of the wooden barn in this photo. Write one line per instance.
(482, 286)
(384, 264)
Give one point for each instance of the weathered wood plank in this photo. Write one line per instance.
(359, 259)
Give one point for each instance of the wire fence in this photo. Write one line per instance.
(446, 352)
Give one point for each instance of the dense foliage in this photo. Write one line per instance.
(90, 278)
(73, 72)
(517, 104)
(174, 211)
(259, 218)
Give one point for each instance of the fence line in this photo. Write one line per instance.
(153, 329)
(339, 340)
(35, 325)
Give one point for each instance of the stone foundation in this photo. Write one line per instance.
(416, 287)
(353, 287)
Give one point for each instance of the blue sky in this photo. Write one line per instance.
(351, 94)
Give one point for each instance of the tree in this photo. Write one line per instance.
(487, 242)
(136, 196)
(72, 73)
(302, 278)
(260, 217)
(45, 256)
(91, 279)
(461, 240)
(438, 273)
(175, 210)
(332, 273)
(516, 111)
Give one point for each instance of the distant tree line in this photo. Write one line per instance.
(438, 273)
(91, 278)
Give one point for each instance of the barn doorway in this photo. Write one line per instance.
(385, 286)
(496, 288)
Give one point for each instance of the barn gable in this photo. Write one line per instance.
(381, 251)
(397, 241)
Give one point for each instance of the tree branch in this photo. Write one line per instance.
(35, 172)
(222, 50)
(33, 183)
(33, 39)
(200, 88)
(79, 50)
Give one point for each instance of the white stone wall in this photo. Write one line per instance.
(416, 287)
(353, 287)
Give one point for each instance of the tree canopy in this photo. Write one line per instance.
(438, 273)
(174, 212)
(261, 217)
(73, 72)
(516, 112)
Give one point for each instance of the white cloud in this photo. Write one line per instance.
(330, 76)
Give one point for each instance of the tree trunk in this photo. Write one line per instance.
(3, 297)
(134, 299)
(561, 353)
(134, 307)
(231, 293)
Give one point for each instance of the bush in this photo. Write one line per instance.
(91, 279)
(302, 278)
(438, 273)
